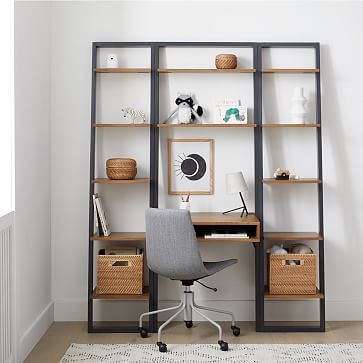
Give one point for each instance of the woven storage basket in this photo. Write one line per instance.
(287, 279)
(121, 163)
(226, 61)
(120, 274)
(121, 168)
(121, 173)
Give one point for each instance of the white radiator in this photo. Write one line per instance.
(6, 290)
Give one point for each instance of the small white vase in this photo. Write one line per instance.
(298, 110)
(112, 61)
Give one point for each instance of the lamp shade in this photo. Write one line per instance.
(235, 183)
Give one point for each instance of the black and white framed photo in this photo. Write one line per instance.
(190, 166)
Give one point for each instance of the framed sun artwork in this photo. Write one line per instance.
(190, 166)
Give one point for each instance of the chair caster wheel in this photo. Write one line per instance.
(223, 345)
(188, 323)
(143, 333)
(235, 330)
(162, 347)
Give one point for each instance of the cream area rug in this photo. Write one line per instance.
(242, 353)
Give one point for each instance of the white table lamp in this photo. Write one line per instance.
(235, 183)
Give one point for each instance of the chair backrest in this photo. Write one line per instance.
(171, 245)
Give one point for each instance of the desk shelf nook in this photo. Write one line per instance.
(210, 227)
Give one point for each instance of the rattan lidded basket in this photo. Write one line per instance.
(120, 274)
(226, 61)
(121, 168)
(285, 279)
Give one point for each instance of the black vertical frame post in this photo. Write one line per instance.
(154, 172)
(91, 189)
(259, 247)
(320, 186)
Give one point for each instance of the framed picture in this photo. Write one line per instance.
(190, 166)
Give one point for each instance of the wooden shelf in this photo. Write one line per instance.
(122, 125)
(144, 296)
(121, 236)
(317, 295)
(123, 70)
(291, 125)
(290, 70)
(206, 125)
(219, 219)
(292, 181)
(292, 236)
(206, 70)
(131, 181)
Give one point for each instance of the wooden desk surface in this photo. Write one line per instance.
(219, 219)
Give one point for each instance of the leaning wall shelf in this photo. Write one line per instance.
(206, 70)
(254, 222)
(205, 125)
(290, 125)
(123, 70)
(121, 236)
(121, 125)
(131, 181)
(317, 295)
(292, 181)
(144, 296)
(290, 70)
(292, 236)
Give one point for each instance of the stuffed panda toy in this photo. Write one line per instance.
(187, 111)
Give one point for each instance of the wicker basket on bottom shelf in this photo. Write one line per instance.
(285, 279)
(120, 274)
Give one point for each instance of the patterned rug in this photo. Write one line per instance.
(242, 353)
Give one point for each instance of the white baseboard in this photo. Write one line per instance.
(307, 310)
(11, 359)
(34, 332)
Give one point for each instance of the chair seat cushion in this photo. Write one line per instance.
(213, 267)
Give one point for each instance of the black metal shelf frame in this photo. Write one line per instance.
(154, 172)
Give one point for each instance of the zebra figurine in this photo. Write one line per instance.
(134, 116)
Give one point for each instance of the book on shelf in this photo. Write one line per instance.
(226, 234)
(102, 216)
(96, 219)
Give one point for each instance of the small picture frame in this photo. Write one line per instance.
(233, 114)
(190, 166)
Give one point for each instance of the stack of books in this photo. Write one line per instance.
(226, 234)
(101, 227)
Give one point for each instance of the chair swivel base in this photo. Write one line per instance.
(188, 305)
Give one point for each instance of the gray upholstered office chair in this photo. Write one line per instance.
(172, 251)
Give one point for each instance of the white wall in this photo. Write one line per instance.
(34, 307)
(337, 26)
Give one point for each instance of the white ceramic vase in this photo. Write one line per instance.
(298, 110)
(112, 61)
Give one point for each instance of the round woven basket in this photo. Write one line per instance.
(121, 173)
(121, 163)
(226, 61)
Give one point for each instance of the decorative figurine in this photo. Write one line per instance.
(112, 61)
(187, 112)
(133, 116)
(298, 110)
(281, 174)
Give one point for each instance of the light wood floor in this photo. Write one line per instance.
(60, 335)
